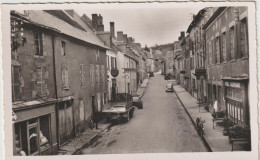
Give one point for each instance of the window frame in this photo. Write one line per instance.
(38, 47)
(63, 48)
(41, 82)
(244, 22)
(14, 94)
(65, 78)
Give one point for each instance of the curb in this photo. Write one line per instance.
(89, 141)
(193, 122)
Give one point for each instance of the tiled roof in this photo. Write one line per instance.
(46, 19)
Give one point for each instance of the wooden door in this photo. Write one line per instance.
(65, 122)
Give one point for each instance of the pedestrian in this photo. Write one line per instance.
(215, 107)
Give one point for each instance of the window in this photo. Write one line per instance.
(235, 105)
(82, 74)
(102, 73)
(40, 81)
(16, 94)
(211, 51)
(92, 73)
(63, 50)
(112, 63)
(108, 64)
(97, 55)
(217, 50)
(38, 43)
(243, 38)
(232, 43)
(223, 56)
(97, 73)
(65, 77)
(33, 136)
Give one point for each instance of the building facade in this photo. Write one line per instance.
(61, 80)
(227, 62)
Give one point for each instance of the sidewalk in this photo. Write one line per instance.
(213, 138)
(84, 139)
(142, 87)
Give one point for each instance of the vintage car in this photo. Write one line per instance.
(169, 87)
(137, 102)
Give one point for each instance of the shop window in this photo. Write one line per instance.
(40, 82)
(82, 74)
(243, 38)
(32, 137)
(65, 77)
(38, 43)
(232, 43)
(16, 94)
(223, 56)
(234, 105)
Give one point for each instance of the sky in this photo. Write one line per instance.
(147, 23)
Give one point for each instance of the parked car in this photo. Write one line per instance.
(137, 102)
(169, 87)
(122, 108)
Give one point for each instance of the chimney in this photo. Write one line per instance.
(125, 38)
(99, 20)
(100, 27)
(112, 29)
(94, 21)
(130, 41)
(120, 36)
(182, 34)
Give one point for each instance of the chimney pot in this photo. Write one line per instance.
(125, 38)
(120, 36)
(94, 21)
(112, 29)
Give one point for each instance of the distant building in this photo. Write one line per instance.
(127, 65)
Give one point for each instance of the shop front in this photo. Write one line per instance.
(34, 128)
(236, 100)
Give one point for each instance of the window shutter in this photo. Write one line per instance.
(66, 77)
(43, 39)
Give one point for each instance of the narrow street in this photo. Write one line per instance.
(162, 126)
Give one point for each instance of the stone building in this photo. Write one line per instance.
(227, 62)
(58, 80)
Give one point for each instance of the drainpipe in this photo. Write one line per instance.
(56, 91)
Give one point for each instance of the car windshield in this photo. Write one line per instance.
(135, 99)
